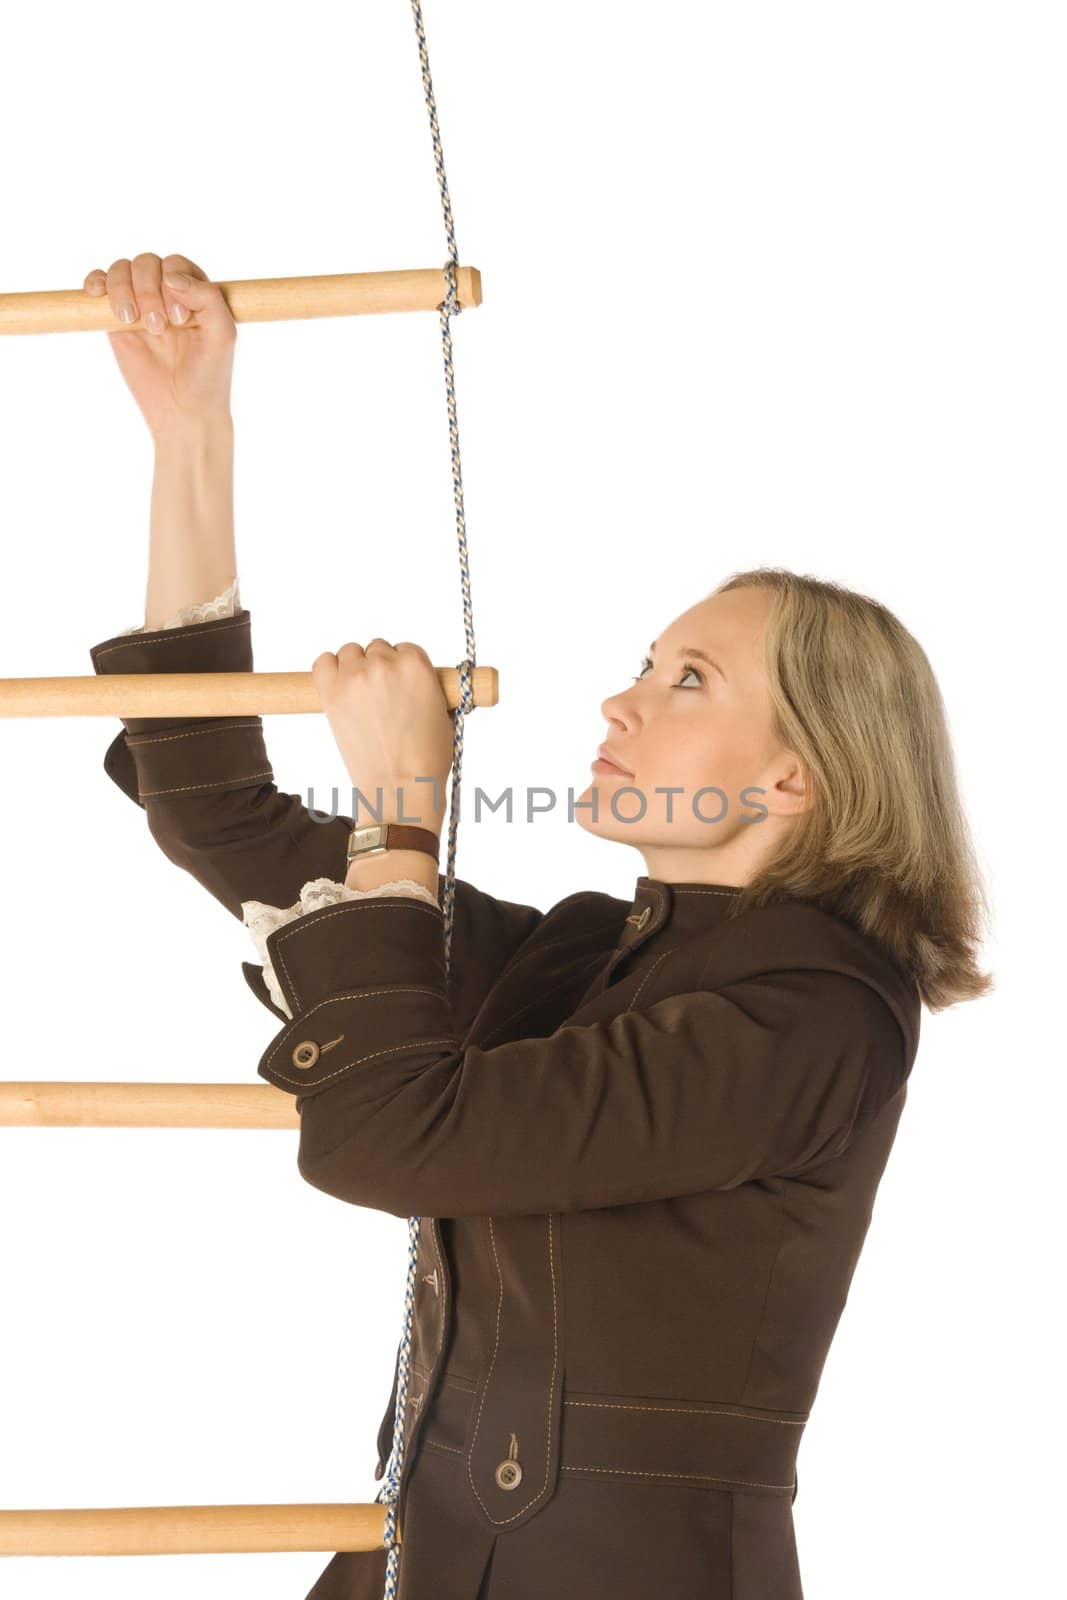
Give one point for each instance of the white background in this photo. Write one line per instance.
(763, 284)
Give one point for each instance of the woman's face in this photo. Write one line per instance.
(704, 731)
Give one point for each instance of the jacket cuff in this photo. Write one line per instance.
(366, 982)
(256, 980)
(156, 756)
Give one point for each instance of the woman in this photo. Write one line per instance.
(644, 1136)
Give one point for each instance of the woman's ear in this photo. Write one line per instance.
(790, 794)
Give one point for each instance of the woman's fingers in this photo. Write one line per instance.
(117, 283)
(188, 375)
(161, 291)
(148, 290)
(120, 290)
(186, 285)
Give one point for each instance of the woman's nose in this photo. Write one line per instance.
(616, 709)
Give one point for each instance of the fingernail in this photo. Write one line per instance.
(128, 313)
(178, 313)
(155, 322)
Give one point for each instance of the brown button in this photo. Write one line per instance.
(306, 1053)
(643, 918)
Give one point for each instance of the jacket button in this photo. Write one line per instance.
(643, 918)
(306, 1053)
(508, 1475)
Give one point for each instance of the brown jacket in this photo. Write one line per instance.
(644, 1138)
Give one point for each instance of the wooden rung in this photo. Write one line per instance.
(193, 1530)
(334, 294)
(48, 1104)
(194, 694)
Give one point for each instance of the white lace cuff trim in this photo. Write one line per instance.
(225, 604)
(261, 920)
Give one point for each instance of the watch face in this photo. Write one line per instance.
(365, 838)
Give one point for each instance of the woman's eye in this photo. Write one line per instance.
(647, 663)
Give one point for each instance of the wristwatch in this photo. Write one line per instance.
(378, 837)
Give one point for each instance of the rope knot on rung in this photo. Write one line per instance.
(465, 668)
(450, 304)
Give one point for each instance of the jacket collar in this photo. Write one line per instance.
(684, 908)
(679, 911)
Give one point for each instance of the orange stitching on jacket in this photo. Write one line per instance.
(501, 1522)
(223, 783)
(745, 1416)
(361, 994)
(136, 740)
(172, 633)
(633, 1472)
(651, 970)
(356, 994)
(435, 1444)
(799, 1421)
(725, 893)
(391, 1051)
(300, 923)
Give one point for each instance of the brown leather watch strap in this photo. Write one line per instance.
(397, 836)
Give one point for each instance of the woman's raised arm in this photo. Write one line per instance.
(206, 784)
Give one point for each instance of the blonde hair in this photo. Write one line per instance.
(885, 842)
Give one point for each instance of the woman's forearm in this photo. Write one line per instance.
(192, 549)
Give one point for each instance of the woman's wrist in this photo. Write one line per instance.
(371, 871)
(182, 433)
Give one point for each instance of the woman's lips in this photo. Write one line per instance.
(600, 765)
